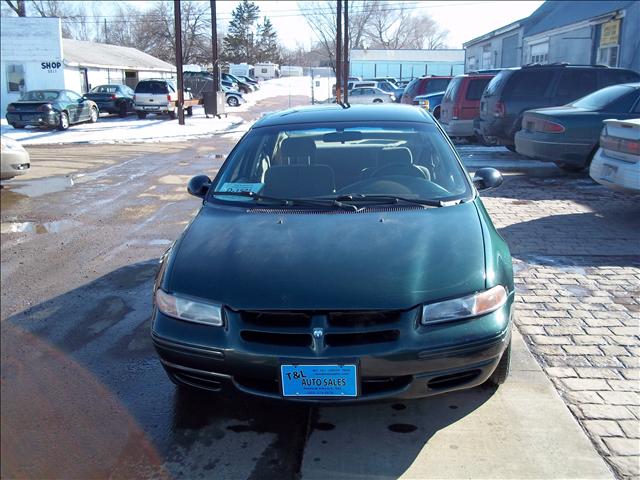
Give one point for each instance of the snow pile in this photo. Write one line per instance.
(277, 87)
(110, 129)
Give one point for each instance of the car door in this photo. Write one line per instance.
(80, 107)
(69, 106)
(355, 96)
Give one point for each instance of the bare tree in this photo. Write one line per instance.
(392, 25)
(321, 18)
(18, 7)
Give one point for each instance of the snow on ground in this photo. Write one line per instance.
(159, 128)
(277, 87)
(111, 129)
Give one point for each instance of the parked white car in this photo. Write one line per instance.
(370, 95)
(616, 164)
(14, 159)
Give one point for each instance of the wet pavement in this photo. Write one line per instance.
(83, 394)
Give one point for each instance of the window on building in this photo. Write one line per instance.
(471, 63)
(263, 70)
(487, 57)
(15, 79)
(540, 53)
(608, 56)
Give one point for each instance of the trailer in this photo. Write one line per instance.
(291, 71)
(266, 71)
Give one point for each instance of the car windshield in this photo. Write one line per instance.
(105, 89)
(41, 95)
(409, 160)
(602, 98)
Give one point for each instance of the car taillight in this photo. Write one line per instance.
(546, 126)
(622, 145)
(11, 108)
(456, 112)
(499, 110)
(113, 97)
(44, 108)
(169, 98)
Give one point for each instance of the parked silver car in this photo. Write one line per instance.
(370, 95)
(15, 159)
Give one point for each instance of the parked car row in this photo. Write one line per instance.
(62, 108)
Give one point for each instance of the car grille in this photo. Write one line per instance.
(322, 330)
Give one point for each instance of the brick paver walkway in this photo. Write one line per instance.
(576, 250)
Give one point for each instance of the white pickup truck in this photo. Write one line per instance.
(160, 96)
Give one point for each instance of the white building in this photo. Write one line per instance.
(33, 55)
(405, 64)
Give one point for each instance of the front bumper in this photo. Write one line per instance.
(422, 361)
(34, 119)
(160, 108)
(552, 148)
(615, 173)
(14, 163)
(459, 128)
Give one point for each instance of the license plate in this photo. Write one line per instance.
(151, 108)
(319, 380)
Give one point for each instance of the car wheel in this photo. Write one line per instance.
(511, 148)
(568, 167)
(93, 118)
(233, 101)
(64, 121)
(377, 100)
(142, 115)
(122, 110)
(500, 374)
(190, 111)
(172, 115)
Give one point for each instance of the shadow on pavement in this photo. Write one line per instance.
(84, 396)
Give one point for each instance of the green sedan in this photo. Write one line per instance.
(341, 255)
(569, 135)
(52, 109)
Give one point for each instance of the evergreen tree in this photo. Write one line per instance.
(239, 44)
(268, 45)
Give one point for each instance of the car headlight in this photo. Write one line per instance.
(188, 309)
(469, 306)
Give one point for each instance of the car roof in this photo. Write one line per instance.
(336, 113)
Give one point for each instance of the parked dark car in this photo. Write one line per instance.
(461, 104)
(112, 99)
(516, 90)
(51, 108)
(430, 103)
(243, 87)
(569, 135)
(338, 255)
(424, 86)
(249, 80)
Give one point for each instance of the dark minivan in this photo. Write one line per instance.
(424, 86)
(515, 90)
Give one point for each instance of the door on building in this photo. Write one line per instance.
(131, 78)
(84, 81)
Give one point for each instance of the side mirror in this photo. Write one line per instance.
(487, 178)
(199, 185)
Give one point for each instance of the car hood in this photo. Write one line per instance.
(309, 260)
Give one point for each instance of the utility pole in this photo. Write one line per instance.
(345, 57)
(214, 53)
(339, 53)
(178, 34)
(105, 31)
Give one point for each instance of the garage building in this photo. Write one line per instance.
(35, 56)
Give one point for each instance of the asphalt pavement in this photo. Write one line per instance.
(84, 395)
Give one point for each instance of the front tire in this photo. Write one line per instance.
(64, 121)
(233, 101)
(501, 373)
(377, 100)
(122, 110)
(93, 117)
(142, 115)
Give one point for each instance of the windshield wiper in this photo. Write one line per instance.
(288, 202)
(389, 199)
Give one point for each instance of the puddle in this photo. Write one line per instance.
(44, 186)
(37, 228)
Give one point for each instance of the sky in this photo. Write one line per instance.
(463, 18)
